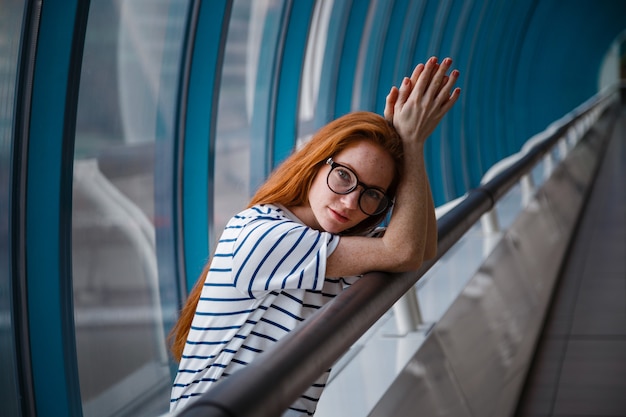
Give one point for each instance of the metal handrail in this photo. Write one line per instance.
(271, 383)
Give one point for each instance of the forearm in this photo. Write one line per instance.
(415, 109)
(409, 236)
(432, 234)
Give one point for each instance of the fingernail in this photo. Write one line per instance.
(405, 81)
(447, 61)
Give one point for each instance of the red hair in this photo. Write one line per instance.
(290, 183)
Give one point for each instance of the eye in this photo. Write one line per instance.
(373, 195)
(344, 175)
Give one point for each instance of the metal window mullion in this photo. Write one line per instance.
(49, 207)
(17, 225)
(451, 125)
(371, 62)
(203, 77)
(337, 32)
(349, 56)
(391, 54)
(289, 70)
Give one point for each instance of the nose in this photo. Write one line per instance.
(351, 200)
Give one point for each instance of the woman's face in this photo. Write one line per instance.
(333, 212)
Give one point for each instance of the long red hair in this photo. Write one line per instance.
(290, 183)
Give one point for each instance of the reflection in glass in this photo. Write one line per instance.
(124, 294)
(11, 12)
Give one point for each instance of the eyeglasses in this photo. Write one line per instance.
(342, 180)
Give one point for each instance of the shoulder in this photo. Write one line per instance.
(260, 212)
(273, 223)
(258, 215)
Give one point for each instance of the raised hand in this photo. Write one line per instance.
(422, 100)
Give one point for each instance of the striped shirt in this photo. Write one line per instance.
(267, 275)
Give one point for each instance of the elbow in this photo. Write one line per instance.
(409, 259)
(430, 245)
(430, 252)
(409, 255)
(413, 265)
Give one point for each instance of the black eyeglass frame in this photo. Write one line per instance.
(364, 186)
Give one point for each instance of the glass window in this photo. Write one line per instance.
(10, 31)
(245, 103)
(317, 47)
(123, 249)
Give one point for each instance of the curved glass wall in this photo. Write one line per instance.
(245, 103)
(123, 250)
(312, 71)
(10, 38)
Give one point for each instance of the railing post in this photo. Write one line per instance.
(563, 148)
(548, 165)
(528, 189)
(491, 230)
(572, 138)
(407, 313)
(489, 222)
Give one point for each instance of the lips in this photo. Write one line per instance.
(339, 217)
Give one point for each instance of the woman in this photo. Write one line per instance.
(306, 230)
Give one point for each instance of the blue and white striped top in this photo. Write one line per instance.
(267, 275)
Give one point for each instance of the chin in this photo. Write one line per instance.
(327, 227)
(337, 229)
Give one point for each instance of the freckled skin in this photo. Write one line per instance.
(415, 109)
(333, 212)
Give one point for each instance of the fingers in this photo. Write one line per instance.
(446, 97)
(443, 83)
(439, 79)
(431, 76)
(436, 86)
(425, 76)
(423, 99)
(449, 102)
(405, 91)
(416, 73)
(426, 95)
(390, 103)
